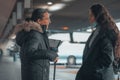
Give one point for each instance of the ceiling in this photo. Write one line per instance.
(75, 14)
(6, 7)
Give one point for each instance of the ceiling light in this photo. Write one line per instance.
(49, 3)
(65, 28)
(56, 7)
(42, 6)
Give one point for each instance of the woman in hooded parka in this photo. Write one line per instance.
(35, 52)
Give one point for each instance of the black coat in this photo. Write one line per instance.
(98, 58)
(35, 55)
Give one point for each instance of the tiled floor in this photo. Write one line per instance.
(10, 70)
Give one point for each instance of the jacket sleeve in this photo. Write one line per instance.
(106, 51)
(32, 50)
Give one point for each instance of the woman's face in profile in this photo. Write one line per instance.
(91, 17)
(45, 20)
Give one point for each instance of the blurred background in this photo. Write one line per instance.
(70, 24)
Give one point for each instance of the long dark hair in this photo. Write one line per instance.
(105, 20)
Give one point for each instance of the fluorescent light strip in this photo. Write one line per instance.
(56, 7)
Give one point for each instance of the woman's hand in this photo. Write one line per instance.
(56, 59)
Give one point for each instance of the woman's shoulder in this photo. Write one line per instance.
(108, 33)
(108, 36)
(21, 36)
(111, 34)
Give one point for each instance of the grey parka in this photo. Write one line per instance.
(35, 52)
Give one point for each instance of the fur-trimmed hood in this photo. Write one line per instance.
(27, 26)
(21, 31)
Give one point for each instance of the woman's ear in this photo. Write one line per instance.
(38, 21)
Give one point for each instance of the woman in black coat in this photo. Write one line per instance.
(35, 52)
(99, 51)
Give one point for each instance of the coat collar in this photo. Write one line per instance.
(88, 49)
